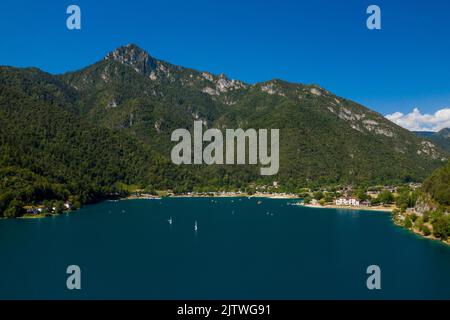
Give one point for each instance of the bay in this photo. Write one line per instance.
(243, 249)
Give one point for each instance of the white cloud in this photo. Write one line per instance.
(416, 121)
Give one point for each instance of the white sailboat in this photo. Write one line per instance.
(170, 220)
(195, 226)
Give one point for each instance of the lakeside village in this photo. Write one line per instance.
(49, 208)
(380, 198)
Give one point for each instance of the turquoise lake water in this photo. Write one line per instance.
(241, 250)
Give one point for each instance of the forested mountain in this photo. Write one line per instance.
(438, 185)
(324, 138)
(83, 134)
(441, 138)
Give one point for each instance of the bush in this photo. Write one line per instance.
(426, 230)
(441, 228)
(307, 200)
(418, 223)
(386, 197)
(76, 205)
(14, 209)
(318, 195)
(59, 207)
(408, 223)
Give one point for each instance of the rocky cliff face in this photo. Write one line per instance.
(423, 205)
(134, 57)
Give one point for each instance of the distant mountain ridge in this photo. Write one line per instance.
(440, 138)
(111, 123)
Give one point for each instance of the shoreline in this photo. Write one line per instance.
(43, 216)
(213, 195)
(358, 208)
(279, 196)
(259, 195)
(421, 235)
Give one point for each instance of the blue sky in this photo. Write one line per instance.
(402, 66)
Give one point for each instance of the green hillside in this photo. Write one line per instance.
(324, 138)
(438, 185)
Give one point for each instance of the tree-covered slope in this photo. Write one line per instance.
(438, 185)
(46, 143)
(431, 214)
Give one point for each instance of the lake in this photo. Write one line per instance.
(243, 249)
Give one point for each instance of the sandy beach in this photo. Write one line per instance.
(377, 208)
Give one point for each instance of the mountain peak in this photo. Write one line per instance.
(128, 51)
(133, 56)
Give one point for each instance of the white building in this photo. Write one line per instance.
(347, 202)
